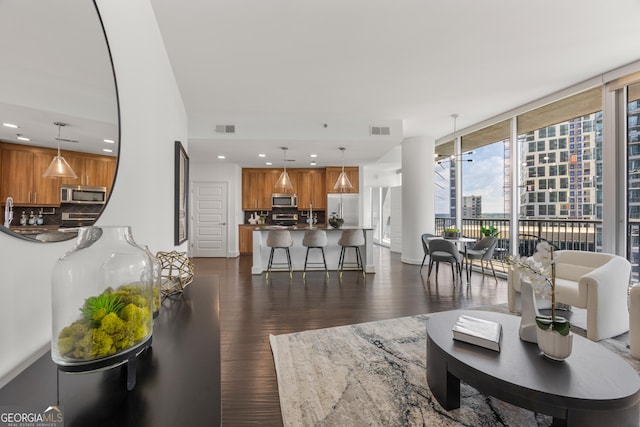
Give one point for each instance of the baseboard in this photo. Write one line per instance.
(24, 365)
(411, 261)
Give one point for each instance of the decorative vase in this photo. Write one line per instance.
(554, 345)
(336, 222)
(155, 278)
(102, 296)
(529, 311)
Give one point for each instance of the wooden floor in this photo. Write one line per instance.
(252, 308)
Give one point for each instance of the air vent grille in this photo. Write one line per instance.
(225, 128)
(380, 130)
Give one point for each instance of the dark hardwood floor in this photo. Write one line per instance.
(252, 308)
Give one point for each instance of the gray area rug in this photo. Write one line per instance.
(374, 374)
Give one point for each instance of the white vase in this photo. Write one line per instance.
(528, 326)
(554, 345)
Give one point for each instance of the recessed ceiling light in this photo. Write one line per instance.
(313, 156)
(268, 163)
(10, 125)
(221, 157)
(109, 141)
(262, 155)
(312, 163)
(23, 138)
(107, 150)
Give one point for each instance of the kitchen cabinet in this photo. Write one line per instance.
(332, 174)
(92, 170)
(311, 189)
(246, 238)
(257, 187)
(21, 176)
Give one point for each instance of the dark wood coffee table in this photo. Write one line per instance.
(593, 387)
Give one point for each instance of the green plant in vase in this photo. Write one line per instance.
(335, 221)
(111, 322)
(97, 307)
(540, 271)
(490, 231)
(451, 232)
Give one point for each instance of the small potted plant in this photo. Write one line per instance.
(451, 233)
(539, 271)
(335, 221)
(490, 231)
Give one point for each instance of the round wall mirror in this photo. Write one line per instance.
(58, 98)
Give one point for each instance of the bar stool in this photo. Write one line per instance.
(351, 239)
(279, 239)
(315, 239)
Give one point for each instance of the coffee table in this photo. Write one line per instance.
(593, 387)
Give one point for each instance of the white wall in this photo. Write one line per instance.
(231, 174)
(396, 220)
(152, 117)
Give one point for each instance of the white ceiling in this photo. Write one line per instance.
(280, 69)
(55, 67)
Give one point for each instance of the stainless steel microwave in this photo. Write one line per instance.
(281, 200)
(83, 194)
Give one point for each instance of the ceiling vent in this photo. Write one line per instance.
(225, 128)
(380, 130)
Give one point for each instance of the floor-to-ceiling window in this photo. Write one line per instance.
(633, 178)
(381, 215)
(560, 169)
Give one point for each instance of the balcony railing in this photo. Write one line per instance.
(580, 235)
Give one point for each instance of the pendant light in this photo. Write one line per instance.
(343, 182)
(284, 182)
(59, 168)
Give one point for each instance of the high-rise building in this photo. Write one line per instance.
(471, 206)
(559, 169)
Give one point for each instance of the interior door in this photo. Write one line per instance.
(210, 219)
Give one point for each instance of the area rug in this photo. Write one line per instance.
(373, 374)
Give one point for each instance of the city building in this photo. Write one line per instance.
(559, 170)
(471, 206)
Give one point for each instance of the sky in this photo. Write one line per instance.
(482, 177)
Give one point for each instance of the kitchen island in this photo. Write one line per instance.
(332, 251)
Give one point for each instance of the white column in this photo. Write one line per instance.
(418, 195)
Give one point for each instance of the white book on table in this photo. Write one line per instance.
(480, 332)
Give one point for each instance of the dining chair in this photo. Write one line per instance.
(442, 250)
(483, 251)
(425, 246)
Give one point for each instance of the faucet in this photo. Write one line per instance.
(8, 212)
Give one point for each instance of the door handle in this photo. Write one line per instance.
(223, 223)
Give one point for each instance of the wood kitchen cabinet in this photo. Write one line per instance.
(21, 176)
(92, 170)
(246, 238)
(311, 189)
(257, 187)
(332, 174)
(21, 168)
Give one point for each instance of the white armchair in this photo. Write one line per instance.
(634, 322)
(596, 281)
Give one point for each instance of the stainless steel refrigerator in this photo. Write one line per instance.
(345, 205)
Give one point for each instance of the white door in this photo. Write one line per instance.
(210, 219)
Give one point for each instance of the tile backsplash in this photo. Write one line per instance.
(52, 215)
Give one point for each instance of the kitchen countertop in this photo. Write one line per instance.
(301, 227)
(45, 233)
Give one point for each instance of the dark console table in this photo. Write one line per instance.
(593, 387)
(178, 378)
